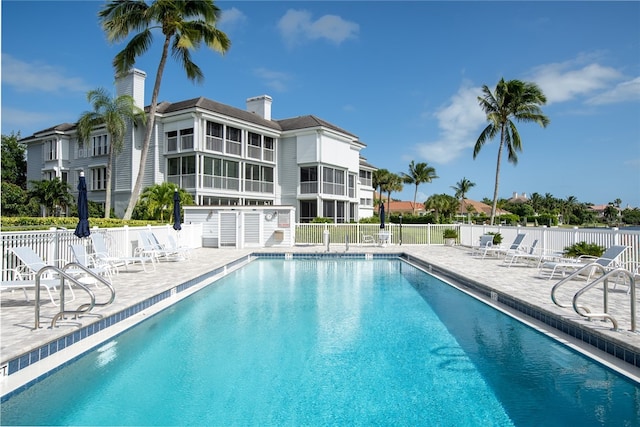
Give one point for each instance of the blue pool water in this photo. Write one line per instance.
(340, 342)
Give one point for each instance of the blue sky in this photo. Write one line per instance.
(403, 76)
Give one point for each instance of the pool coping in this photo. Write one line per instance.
(23, 371)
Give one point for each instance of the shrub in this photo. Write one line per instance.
(583, 248)
(497, 238)
(450, 233)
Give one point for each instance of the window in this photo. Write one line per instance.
(365, 178)
(258, 178)
(182, 171)
(335, 210)
(100, 145)
(220, 174)
(352, 185)
(309, 180)
(186, 140)
(308, 210)
(333, 181)
(172, 141)
(213, 140)
(254, 145)
(99, 178)
(50, 149)
(48, 175)
(234, 141)
(268, 149)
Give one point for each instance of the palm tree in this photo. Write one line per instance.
(512, 99)
(394, 183)
(461, 188)
(113, 114)
(185, 24)
(53, 194)
(379, 179)
(158, 200)
(418, 173)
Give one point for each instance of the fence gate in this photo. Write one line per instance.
(228, 229)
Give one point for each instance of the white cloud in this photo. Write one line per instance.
(231, 18)
(563, 82)
(625, 91)
(296, 26)
(15, 119)
(33, 77)
(459, 122)
(275, 80)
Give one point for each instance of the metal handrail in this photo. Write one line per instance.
(605, 278)
(63, 276)
(567, 279)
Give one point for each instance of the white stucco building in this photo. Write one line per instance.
(222, 155)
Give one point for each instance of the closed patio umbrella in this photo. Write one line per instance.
(176, 211)
(381, 215)
(82, 229)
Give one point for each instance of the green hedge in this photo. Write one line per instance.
(44, 223)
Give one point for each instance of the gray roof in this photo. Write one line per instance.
(164, 107)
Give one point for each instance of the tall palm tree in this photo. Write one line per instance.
(512, 100)
(461, 188)
(394, 183)
(52, 194)
(379, 179)
(159, 200)
(419, 173)
(185, 24)
(113, 114)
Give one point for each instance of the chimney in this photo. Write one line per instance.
(132, 84)
(260, 105)
(515, 195)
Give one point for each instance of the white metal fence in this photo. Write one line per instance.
(54, 243)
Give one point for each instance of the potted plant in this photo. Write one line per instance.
(450, 235)
(497, 238)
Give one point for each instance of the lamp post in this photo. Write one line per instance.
(400, 240)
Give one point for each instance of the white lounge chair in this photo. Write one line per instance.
(486, 241)
(102, 253)
(368, 239)
(32, 263)
(498, 250)
(609, 259)
(148, 245)
(526, 256)
(95, 265)
(184, 251)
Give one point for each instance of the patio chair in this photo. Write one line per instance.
(26, 273)
(95, 265)
(16, 280)
(486, 241)
(368, 239)
(524, 256)
(609, 259)
(499, 250)
(101, 252)
(181, 250)
(148, 245)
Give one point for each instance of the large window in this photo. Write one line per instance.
(254, 146)
(352, 185)
(99, 178)
(365, 178)
(234, 141)
(333, 181)
(335, 210)
(268, 149)
(50, 149)
(213, 140)
(309, 180)
(258, 178)
(182, 171)
(308, 210)
(100, 145)
(184, 137)
(220, 173)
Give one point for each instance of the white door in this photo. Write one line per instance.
(228, 229)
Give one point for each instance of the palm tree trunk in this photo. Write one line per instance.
(415, 196)
(495, 189)
(107, 197)
(148, 132)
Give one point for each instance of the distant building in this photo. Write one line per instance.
(519, 198)
(221, 155)
(474, 208)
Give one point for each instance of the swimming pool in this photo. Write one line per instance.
(329, 341)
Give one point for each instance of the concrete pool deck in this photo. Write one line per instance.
(17, 318)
